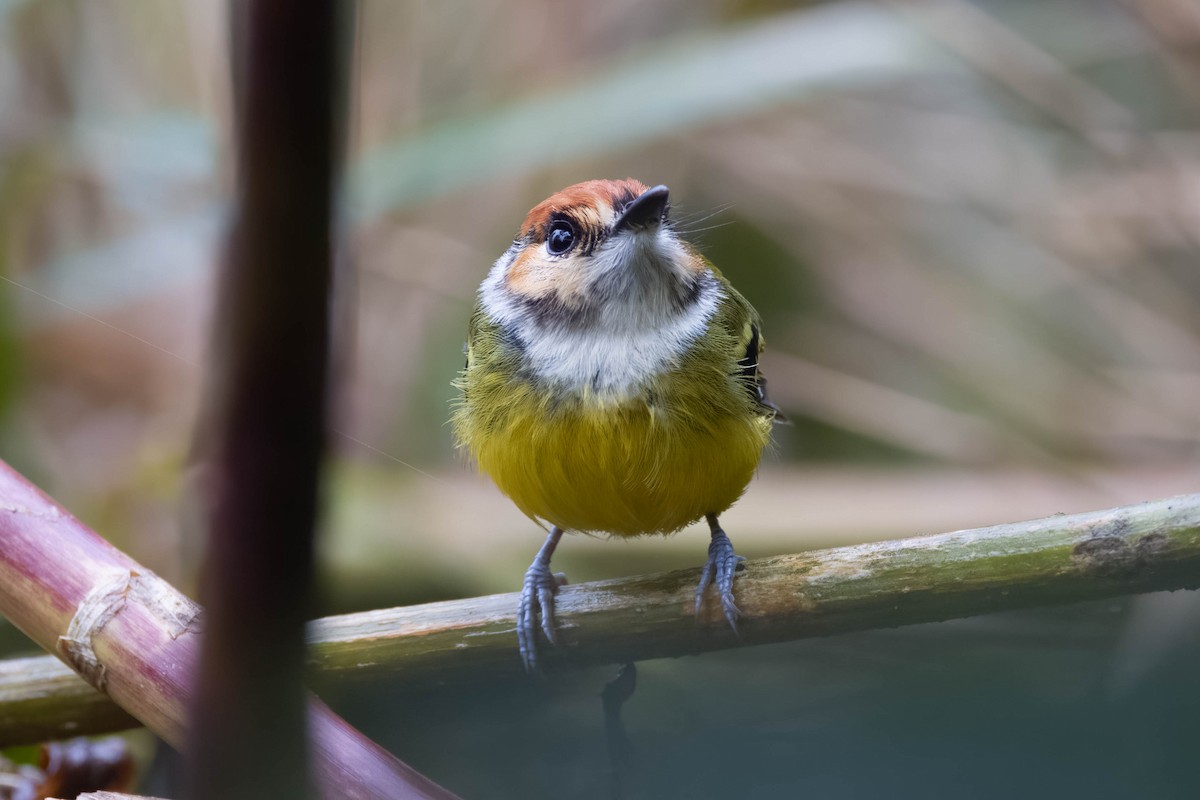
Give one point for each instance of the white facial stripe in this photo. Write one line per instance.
(638, 333)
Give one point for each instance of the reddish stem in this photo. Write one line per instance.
(146, 646)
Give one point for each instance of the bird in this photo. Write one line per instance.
(612, 385)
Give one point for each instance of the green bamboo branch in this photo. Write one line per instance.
(1152, 546)
(42, 699)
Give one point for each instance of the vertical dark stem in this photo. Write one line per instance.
(249, 731)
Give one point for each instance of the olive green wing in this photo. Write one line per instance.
(741, 319)
(751, 373)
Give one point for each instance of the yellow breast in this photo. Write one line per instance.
(622, 468)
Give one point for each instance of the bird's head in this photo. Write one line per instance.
(599, 254)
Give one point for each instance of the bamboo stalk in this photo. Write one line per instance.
(42, 699)
(130, 634)
(1062, 559)
(1148, 547)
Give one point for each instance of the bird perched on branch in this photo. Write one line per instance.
(612, 383)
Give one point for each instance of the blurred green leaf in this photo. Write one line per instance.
(685, 82)
(7, 7)
(678, 85)
(156, 258)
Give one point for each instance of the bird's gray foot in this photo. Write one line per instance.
(537, 596)
(721, 565)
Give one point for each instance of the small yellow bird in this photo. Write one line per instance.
(612, 383)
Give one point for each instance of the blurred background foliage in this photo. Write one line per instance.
(971, 226)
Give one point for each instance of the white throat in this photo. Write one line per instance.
(637, 327)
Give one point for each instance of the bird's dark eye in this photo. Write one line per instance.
(561, 237)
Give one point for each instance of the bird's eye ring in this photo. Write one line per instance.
(561, 237)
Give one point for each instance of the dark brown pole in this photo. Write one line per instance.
(249, 733)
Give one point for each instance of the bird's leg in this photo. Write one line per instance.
(722, 563)
(537, 594)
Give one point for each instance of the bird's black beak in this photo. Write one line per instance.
(646, 211)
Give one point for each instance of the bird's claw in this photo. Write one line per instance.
(537, 598)
(721, 565)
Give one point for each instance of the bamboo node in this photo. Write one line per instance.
(106, 599)
(166, 603)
